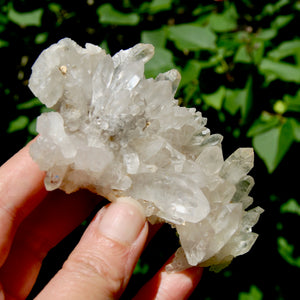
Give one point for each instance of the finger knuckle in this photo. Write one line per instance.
(99, 266)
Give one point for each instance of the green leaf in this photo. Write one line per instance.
(221, 23)
(215, 99)
(213, 61)
(285, 49)
(266, 34)
(224, 22)
(242, 55)
(281, 21)
(161, 62)
(272, 145)
(239, 100)
(59, 12)
(33, 18)
(232, 102)
(29, 104)
(3, 43)
(203, 9)
(157, 38)
(228, 43)
(41, 38)
(190, 72)
(191, 94)
(258, 51)
(292, 102)
(104, 46)
(141, 268)
(45, 109)
(192, 37)
(279, 70)
(286, 251)
(246, 99)
(264, 123)
(156, 6)
(291, 206)
(32, 128)
(296, 128)
(270, 9)
(18, 124)
(286, 139)
(55, 7)
(3, 18)
(108, 15)
(254, 294)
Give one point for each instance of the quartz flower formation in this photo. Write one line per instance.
(119, 134)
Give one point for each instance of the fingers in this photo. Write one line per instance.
(103, 261)
(170, 286)
(46, 226)
(21, 190)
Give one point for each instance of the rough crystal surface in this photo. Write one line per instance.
(116, 133)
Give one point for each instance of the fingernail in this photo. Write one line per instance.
(122, 221)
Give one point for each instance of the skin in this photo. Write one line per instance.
(33, 221)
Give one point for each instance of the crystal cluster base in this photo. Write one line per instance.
(118, 134)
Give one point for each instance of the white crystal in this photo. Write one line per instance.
(118, 134)
(132, 162)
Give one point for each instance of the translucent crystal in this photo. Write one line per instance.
(237, 165)
(117, 134)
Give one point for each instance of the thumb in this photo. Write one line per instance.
(103, 261)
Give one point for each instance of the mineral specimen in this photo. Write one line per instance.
(118, 134)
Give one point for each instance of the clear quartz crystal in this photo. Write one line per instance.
(117, 133)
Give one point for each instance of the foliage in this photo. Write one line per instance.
(254, 294)
(240, 66)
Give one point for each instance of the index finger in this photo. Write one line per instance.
(21, 190)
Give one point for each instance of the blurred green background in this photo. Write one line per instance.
(240, 66)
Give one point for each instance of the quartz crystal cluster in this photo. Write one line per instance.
(118, 134)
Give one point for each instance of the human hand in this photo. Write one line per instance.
(32, 221)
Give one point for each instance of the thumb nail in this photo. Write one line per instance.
(122, 221)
